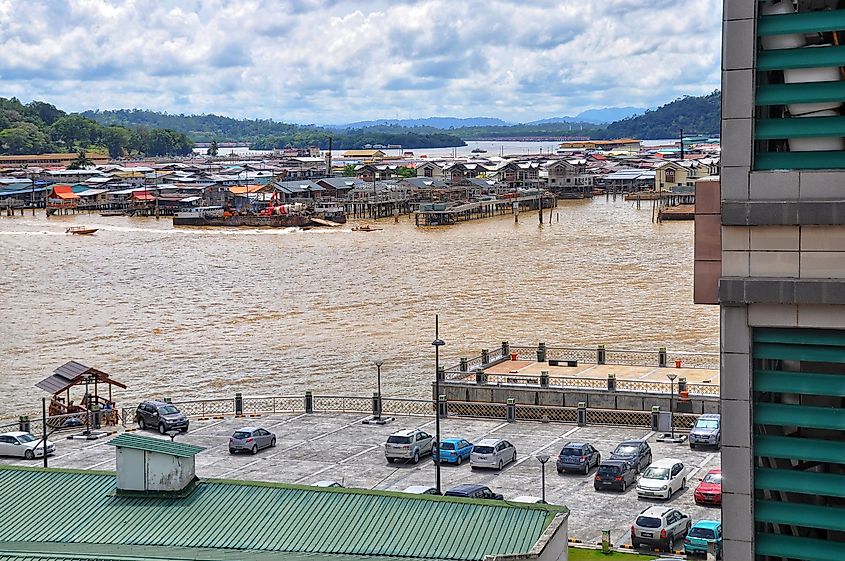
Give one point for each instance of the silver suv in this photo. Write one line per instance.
(707, 431)
(661, 527)
(408, 445)
(492, 453)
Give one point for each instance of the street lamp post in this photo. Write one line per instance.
(543, 458)
(378, 364)
(438, 342)
(672, 402)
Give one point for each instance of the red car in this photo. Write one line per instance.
(709, 491)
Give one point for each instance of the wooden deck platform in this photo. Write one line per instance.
(643, 373)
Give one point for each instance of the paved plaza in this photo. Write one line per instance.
(320, 446)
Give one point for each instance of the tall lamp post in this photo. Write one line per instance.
(672, 402)
(438, 342)
(378, 364)
(543, 458)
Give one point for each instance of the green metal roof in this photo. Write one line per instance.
(79, 508)
(160, 446)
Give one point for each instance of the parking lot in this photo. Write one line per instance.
(314, 447)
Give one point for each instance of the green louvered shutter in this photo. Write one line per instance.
(772, 93)
(799, 444)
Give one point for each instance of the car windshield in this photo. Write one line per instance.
(705, 533)
(399, 439)
(648, 522)
(626, 450)
(24, 438)
(707, 424)
(713, 478)
(608, 470)
(570, 452)
(656, 473)
(240, 435)
(167, 410)
(447, 446)
(483, 449)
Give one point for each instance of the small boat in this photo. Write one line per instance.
(479, 151)
(81, 230)
(366, 228)
(115, 212)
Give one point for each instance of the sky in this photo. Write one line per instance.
(333, 61)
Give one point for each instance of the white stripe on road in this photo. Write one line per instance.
(700, 466)
(370, 449)
(552, 443)
(92, 466)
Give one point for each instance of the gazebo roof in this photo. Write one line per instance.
(71, 374)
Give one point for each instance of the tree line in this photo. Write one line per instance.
(38, 127)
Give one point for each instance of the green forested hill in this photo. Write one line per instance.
(38, 127)
(695, 115)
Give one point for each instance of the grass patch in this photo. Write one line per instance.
(580, 554)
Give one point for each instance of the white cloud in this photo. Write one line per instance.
(338, 61)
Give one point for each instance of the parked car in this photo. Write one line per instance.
(455, 450)
(635, 452)
(709, 491)
(161, 415)
(408, 445)
(421, 490)
(661, 527)
(614, 474)
(24, 445)
(251, 439)
(492, 453)
(701, 535)
(327, 483)
(473, 491)
(662, 479)
(706, 432)
(578, 456)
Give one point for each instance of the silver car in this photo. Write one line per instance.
(251, 439)
(24, 445)
(408, 445)
(492, 453)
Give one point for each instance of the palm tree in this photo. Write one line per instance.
(81, 162)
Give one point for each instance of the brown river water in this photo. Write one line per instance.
(187, 312)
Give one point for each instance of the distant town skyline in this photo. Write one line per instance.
(312, 61)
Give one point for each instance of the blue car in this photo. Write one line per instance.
(455, 450)
(701, 534)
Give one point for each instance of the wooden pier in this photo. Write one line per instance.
(441, 214)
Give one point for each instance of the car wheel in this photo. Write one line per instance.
(691, 446)
(162, 429)
(718, 445)
(683, 484)
(254, 449)
(624, 486)
(232, 450)
(635, 544)
(559, 470)
(460, 460)
(416, 459)
(273, 442)
(501, 465)
(29, 455)
(389, 460)
(670, 544)
(142, 424)
(586, 468)
(514, 458)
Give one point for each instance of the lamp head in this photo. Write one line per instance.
(672, 376)
(543, 458)
(379, 362)
(438, 342)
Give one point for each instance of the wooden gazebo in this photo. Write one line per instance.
(72, 374)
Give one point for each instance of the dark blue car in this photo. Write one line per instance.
(455, 450)
(578, 456)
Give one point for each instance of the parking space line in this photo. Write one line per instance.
(552, 443)
(353, 423)
(310, 475)
(92, 466)
(209, 425)
(287, 420)
(370, 449)
(649, 373)
(491, 431)
(648, 435)
(700, 466)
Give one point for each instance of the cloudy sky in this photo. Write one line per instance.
(328, 61)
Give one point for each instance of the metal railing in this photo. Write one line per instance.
(343, 404)
(401, 406)
(206, 407)
(273, 404)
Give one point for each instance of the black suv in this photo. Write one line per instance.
(614, 474)
(635, 452)
(473, 491)
(164, 416)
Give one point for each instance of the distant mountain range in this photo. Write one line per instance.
(591, 116)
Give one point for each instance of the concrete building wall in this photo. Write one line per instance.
(782, 264)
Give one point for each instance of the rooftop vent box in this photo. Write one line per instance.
(147, 465)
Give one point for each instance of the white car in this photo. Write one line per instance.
(492, 453)
(662, 479)
(23, 445)
(421, 490)
(327, 483)
(527, 499)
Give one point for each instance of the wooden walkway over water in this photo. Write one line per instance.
(442, 215)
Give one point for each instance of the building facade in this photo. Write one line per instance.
(782, 286)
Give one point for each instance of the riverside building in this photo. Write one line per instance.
(780, 265)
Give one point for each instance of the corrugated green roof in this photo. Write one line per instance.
(149, 444)
(75, 507)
